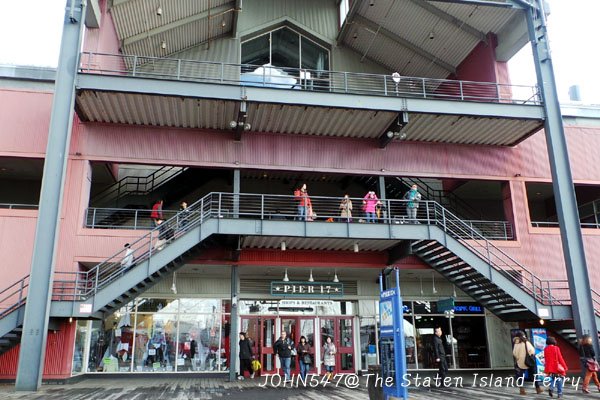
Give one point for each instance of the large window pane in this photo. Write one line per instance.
(81, 333)
(368, 341)
(472, 351)
(256, 51)
(285, 48)
(155, 342)
(194, 352)
(409, 342)
(425, 326)
(314, 56)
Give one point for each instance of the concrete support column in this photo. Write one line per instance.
(562, 180)
(236, 192)
(234, 330)
(37, 308)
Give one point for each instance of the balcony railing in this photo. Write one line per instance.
(305, 79)
(284, 208)
(16, 206)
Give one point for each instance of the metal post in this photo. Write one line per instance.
(233, 332)
(37, 308)
(178, 69)
(345, 82)
(236, 193)
(562, 180)
(134, 65)
(460, 84)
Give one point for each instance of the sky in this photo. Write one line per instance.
(573, 31)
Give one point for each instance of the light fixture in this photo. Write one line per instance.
(434, 290)
(542, 322)
(396, 77)
(159, 11)
(285, 276)
(163, 45)
(431, 35)
(174, 285)
(70, 319)
(232, 124)
(310, 278)
(335, 277)
(372, 3)
(355, 247)
(283, 246)
(421, 281)
(454, 291)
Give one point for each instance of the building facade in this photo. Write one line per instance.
(232, 109)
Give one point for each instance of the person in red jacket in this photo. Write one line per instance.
(555, 366)
(157, 212)
(304, 204)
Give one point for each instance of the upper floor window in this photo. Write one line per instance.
(285, 48)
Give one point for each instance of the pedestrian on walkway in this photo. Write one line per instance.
(184, 215)
(304, 357)
(157, 212)
(164, 233)
(245, 356)
(412, 206)
(127, 260)
(589, 364)
(283, 348)
(439, 352)
(346, 209)
(329, 351)
(370, 202)
(304, 203)
(523, 353)
(554, 366)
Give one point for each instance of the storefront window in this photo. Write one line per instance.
(471, 346)
(81, 333)
(368, 341)
(410, 342)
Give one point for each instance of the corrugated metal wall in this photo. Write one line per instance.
(59, 355)
(319, 16)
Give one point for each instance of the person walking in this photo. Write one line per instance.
(304, 203)
(439, 352)
(127, 260)
(157, 212)
(346, 209)
(555, 367)
(184, 215)
(245, 356)
(304, 357)
(329, 352)
(412, 206)
(283, 348)
(522, 348)
(370, 202)
(589, 364)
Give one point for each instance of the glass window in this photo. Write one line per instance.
(471, 346)
(314, 56)
(157, 305)
(257, 51)
(368, 341)
(155, 342)
(409, 342)
(285, 49)
(81, 332)
(425, 326)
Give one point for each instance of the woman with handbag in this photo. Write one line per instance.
(555, 366)
(304, 358)
(329, 351)
(523, 353)
(589, 363)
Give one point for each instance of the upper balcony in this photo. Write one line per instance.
(224, 96)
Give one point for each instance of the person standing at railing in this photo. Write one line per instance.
(304, 204)
(370, 202)
(157, 212)
(184, 215)
(414, 197)
(346, 209)
(127, 260)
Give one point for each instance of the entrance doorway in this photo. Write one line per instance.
(265, 330)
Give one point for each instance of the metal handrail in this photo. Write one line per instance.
(76, 286)
(304, 79)
(16, 206)
(556, 224)
(14, 295)
(138, 185)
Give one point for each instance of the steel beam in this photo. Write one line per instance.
(484, 3)
(348, 21)
(373, 26)
(460, 24)
(233, 331)
(37, 308)
(562, 181)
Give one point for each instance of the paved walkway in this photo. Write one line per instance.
(181, 388)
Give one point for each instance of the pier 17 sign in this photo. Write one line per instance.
(307, 289)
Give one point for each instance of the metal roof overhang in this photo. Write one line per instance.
(138, 101)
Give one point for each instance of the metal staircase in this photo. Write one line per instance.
(440, 238)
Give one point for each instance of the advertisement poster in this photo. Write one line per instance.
(538, 339)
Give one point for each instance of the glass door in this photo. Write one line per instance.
(251, 325)
(306, 326)
(345, 345)
(291, 327)
(267, 339)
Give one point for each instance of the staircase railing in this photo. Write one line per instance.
(138, 185)
(458, 204)
(13, 296)
(77, 286)
(126, 218)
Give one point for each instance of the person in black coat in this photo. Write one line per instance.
(439, 352)
(586, 352)
(245, 356)
(283, 348)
